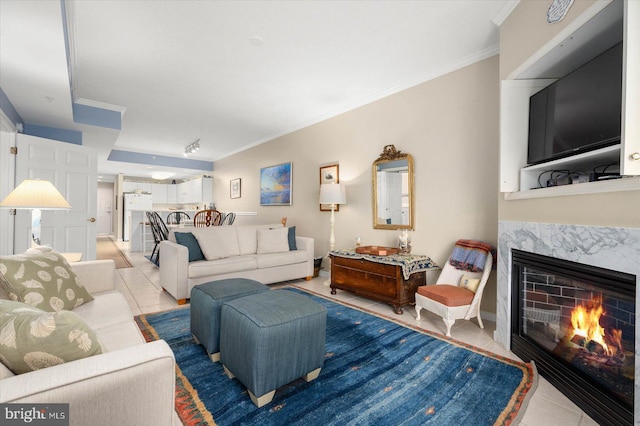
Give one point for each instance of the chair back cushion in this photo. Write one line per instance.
(447, 294)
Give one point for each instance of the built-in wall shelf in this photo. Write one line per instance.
(628, 183)
(594, 31)
(536, 176)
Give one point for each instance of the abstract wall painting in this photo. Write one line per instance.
(275, 185)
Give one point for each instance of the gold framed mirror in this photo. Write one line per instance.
(393, 190)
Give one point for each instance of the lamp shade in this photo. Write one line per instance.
(35, 194)
(333, 193)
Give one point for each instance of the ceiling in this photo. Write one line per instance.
(231, 74)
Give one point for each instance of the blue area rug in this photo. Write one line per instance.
(376, 371)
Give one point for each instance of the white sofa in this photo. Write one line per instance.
(236, 254)
(131, 383)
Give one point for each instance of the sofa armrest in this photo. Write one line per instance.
(307, 244)
(174, 269)
(96, 275)
(135, 386)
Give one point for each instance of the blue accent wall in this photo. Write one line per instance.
(95, 116)
(159, 160)
(62, 135)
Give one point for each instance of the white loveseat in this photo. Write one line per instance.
(239, 251)
(131, 383)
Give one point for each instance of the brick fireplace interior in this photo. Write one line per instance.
(577, 322)
(549, 300)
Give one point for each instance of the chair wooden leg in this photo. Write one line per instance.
(448, 323)
(480, 321)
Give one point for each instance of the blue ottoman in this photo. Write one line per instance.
(206, 302)
(270, 339)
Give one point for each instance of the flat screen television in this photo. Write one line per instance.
(578, 113)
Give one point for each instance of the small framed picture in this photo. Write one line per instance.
(234, 188)
(329, 174)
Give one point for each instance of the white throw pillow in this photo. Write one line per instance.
(217, 242)
(470, 283)
(273, 240)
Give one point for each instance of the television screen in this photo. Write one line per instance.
(579, 112)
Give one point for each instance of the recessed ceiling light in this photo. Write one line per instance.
(256, 41)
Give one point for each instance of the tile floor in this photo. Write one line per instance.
(548, 406)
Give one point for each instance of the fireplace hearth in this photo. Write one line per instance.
(577, 322)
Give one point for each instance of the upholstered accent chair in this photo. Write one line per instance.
(456, 295)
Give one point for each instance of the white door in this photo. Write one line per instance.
(73, 171)
(105, 208)
(7, 168)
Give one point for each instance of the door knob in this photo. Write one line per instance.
(93, 219)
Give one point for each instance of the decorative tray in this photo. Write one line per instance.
(377, 250)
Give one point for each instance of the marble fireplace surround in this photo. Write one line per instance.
(606, 247)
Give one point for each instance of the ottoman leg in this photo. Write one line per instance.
(195, 339)
(215, 357)
(312, 375)
(228, 373)
(264, 399)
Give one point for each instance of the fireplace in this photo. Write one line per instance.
(577, 322)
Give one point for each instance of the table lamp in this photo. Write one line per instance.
(333, 193)
(37, 195)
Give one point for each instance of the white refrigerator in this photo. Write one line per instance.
(133, 202)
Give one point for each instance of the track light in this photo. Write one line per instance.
(192, 147)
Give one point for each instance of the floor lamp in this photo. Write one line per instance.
(37, 195)
(333, 193)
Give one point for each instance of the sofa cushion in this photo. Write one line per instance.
(222, 266)
(120, 336)
(273, 240)
(217, 242)
(108, 308)
(280, 259)
(248, 237)
(190, 242)
(43, 280)
(32, 339)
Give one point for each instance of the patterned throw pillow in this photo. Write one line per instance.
(43, 280)
(469, 283)
(31, 339)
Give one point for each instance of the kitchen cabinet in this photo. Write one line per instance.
(159, 193)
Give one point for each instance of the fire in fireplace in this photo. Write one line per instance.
(577, 322)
